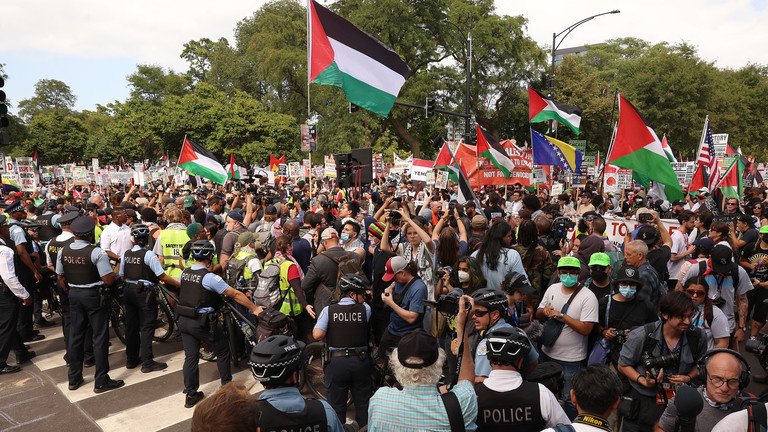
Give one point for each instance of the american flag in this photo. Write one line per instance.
(707, 156)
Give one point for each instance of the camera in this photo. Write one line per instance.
(620, 336)
(654, 364)
(560, 227)
(644, 218)
(719, 302)
(442, 271)
(448, 304)
(395, 217)
(451, 206)
(758, 345)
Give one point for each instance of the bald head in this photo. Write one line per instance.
(291, 228)
(727, 367)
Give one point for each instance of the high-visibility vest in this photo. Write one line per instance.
(172, 241)
(290, 305)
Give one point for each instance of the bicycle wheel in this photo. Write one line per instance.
(163, 324)
(312, 373)
(117, 317)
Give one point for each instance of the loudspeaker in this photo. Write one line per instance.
(344, 175)
(362, 160)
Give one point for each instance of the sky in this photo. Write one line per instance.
(93, 45)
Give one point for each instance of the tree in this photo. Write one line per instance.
(152, 83)
(56, 137)
(50, 95)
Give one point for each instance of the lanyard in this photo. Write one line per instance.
(593, 420)
(513, 313)
(666, 347)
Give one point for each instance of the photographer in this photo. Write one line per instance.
(657, 357)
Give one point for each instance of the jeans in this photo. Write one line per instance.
(569, 368)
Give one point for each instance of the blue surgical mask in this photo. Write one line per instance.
(344, 237)
(627, 291)
(569, 280)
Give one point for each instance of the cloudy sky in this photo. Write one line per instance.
(92, 45)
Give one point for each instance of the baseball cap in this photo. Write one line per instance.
(706, 243)
(329, 233)
(600, 259)
(629, 274)
(270, 210)
(394, 265)
(721, 258)
(764, 229)
(479, 222)
(569, 262)
(417, 349)
(188, 200)
(236, 215)
(648, 234)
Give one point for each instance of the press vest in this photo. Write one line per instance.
(192, 293)
(518, 409)
(290, 305)
(347, 326)
(47, 231)
(54, 247)
(135, 268)
(172, 241)
(311, 419)
(78, 267)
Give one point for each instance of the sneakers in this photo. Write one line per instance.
(109, 385)
(154, 367)
(193, 399)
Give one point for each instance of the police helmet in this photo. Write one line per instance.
(492, 299)
(507, 344)
(201, 249)
(274, 359)
(139, 230)
(353, 282)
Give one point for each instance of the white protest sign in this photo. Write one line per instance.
(330, 166)
(557, 189)
(26, 167)
(441, 181)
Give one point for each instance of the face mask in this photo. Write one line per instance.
(764, 238)
(627, 291)
(344, 237)
(599, 276)
(463, 276)
(569, 280)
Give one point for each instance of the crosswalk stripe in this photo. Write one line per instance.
(55, 359)
(164, 412)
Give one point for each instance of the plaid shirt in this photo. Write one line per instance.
(419, 408)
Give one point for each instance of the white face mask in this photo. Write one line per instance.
(463, 276)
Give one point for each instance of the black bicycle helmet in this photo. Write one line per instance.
(139, 230)
(507, 344)
(201, 249)
(353, 282)
(275, 358)
(492, 299)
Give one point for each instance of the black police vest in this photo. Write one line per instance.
(134, 267)
(192, 293)
(54, 247)
(311, 419)
(518, 409)
(47, 230)
(78, 267)
(347, 326)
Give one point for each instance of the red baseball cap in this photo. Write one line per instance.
(394, 265)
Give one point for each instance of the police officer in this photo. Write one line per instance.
(344, 326)
(49, 223)
(275, 362)
(84, 272)
(10, 293)
(52, 250)
(199, 301)
(505, 401)
(140, 266)
(28, 271)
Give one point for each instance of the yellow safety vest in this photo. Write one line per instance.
(172, 241)
(290, 305)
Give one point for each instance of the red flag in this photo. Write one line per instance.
(275, 162)
(444, 158)
(231, 165)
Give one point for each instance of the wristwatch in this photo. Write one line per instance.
(744, 329)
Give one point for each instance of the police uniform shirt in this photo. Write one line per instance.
(66, 235)
(289, 400)
(17, 232)
(322, 320)
(150, 259)
(211, 282)
(98, 257)
(8, 272)
(508, 380)
(483, 366)
(54, 219)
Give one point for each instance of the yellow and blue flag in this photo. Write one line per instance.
(549, 151)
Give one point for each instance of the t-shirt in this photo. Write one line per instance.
(626, 315)
(658, 259)
(751, 236)
(718, 329)
(493, 212)
(411, 302)
(738, 421)
(600, 292)
(757, 255)
(570, 346)
(679, 245)
(724, 290)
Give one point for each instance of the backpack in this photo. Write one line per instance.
(235, 269)
(346, 264)
(617, 260)
(273, 322)
(267, 292)
(734, 272)
(693, 334)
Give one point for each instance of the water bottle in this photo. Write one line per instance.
(247, 330)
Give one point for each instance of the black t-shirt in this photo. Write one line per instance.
(474, 241)
(600, 292)
(751, 236)
(493, 212)
(658, 259)
(626, 315)
(754, 255)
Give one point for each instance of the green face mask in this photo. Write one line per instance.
(569, 280)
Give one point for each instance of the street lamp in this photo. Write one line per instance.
(556, 45)
(468, 69)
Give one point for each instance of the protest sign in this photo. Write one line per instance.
(441, 181)
(330, 166)
(402, 166)
(26, 167)
(420, 168)
(522, 173)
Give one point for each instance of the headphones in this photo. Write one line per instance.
(745, 369)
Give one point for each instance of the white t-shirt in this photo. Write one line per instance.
(738, 421)
(679, 245)
(570, 346)
(718, 329)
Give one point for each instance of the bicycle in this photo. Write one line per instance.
(117, 310)
(236, 325)
(166, 314)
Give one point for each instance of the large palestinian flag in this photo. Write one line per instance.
(488, 147)
(637, 147)
(541, 109)
(196, 159)
(341, 55)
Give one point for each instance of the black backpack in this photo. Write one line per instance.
(693, 334)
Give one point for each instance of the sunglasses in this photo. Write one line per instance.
(481, 314)
(696, 293)
(733, 203)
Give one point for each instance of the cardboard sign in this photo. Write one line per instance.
(330, 166)
(26, 167)
(441, 181)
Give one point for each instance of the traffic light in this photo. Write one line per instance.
(430, 107)
(4, 122)
(353, 108)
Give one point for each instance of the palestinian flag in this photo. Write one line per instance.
(122, 164)
(637, 147)
(488, 147)
(233, 171)
(541, 109)
(370, 73)
(731, 183)
(445, 160)
(667, 149)
(34, 162)
(196, 159)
